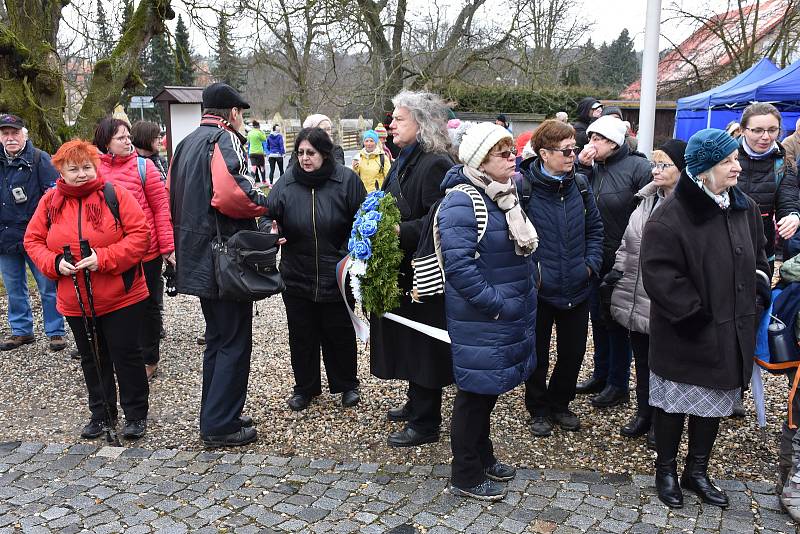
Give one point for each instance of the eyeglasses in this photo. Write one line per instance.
(758, 132)
(566, 152)
(661, 166)
(505, 154)
(309, 153)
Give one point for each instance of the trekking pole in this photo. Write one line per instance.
(91, 335)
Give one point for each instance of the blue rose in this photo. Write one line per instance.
(351, 243)
(377, 194)
(370, 203)
(368, 228)
(353, 233)
(362, 249)
(373, 216)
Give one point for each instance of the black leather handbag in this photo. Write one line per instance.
(246, 266)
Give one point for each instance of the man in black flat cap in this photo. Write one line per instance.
(199, 198)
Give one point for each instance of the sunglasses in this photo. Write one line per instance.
(309, 153)
(566, 152)
(505, 154)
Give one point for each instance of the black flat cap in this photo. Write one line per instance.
(223, 96)
(11, 121)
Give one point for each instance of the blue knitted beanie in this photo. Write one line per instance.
(370, 134)
(706, 148)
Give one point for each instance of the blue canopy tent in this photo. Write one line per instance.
(694, 112)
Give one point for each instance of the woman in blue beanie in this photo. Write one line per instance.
(371, 163)
(707, 275)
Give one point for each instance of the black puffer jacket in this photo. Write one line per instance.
(615, 183)
(195, 198)
(584, 120)
(316, 223)
(758, 181)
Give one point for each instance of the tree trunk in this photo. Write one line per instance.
(30, 70)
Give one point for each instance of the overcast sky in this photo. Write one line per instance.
(610, 17)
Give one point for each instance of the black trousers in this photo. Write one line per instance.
(572, 327)
(469, 438)
(226, 365)
(257, 161)
(425, 409)
(640, 344)
(120, 355)
(315, 325)
(272, 163)
(669, 429)
(150, 332)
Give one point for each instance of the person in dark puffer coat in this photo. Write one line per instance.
(490, 302)
(616, 175)
(761, 156)
(569, 256)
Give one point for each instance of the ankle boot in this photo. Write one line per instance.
(702, 434)
(668, 429)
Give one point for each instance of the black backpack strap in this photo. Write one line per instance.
(583, 187)
(112, 202)
(524, 190)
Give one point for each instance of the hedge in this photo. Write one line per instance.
(521, 100)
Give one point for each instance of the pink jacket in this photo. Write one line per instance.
(153, 198)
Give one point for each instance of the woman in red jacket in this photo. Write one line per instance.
(120, 164)
(77, 209)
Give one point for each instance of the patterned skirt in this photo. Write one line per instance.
(676, 397)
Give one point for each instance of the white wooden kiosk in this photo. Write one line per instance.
(182, 108)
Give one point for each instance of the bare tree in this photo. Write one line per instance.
(549, 38)
(745, 31)
(31, 79)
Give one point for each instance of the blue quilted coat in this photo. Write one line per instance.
(490, 297)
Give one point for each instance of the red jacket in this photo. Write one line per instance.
(153, 198)
(118, 249)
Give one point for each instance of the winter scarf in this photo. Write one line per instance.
(520, 229)
(89, 191)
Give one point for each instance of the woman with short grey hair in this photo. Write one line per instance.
(419, 127)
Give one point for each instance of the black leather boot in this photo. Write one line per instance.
(702, 434)
(668, 430)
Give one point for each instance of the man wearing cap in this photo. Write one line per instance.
(208, 187)
(616, 175)
(26, 173)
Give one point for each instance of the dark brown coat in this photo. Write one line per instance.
(699, 268)
(398, 352)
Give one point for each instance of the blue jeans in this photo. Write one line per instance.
(612, 347)
(20, 318)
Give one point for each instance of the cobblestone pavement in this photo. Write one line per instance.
(82, 487)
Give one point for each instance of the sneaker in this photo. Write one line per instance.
(541, 427)
(487, 490)
(57, 343)
(14, 342)
(134, 429)
(566, 420)
(500, 472)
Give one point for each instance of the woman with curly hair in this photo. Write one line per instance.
(419, 128)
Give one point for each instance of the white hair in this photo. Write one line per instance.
(562, 116)
(430, 113)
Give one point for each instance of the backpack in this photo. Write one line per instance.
(141, 164)
(525, 190)
(427, 263)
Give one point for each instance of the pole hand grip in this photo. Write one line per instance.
(68, 257)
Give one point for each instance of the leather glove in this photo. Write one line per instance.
(763, 291)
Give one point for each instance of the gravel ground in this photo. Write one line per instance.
(43, 399)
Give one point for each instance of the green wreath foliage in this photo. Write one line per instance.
(380, 290)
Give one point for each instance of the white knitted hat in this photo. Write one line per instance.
(478, 140)
(609, 127)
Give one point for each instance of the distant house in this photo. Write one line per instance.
(703, 55)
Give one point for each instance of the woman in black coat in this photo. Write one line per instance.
(313, 205)
(419, 127)
(706, 272)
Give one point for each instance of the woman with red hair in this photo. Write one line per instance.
(80, 208)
